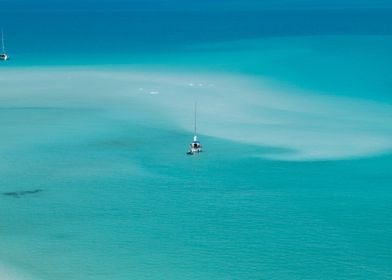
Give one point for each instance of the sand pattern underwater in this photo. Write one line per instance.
(294, 181)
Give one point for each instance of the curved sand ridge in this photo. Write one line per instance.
(308, 126)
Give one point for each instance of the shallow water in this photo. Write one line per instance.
(121, 199)
(293, 183)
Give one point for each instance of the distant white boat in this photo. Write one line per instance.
(3, 55)
(195, 146)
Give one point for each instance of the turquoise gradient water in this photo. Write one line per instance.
(119, 199)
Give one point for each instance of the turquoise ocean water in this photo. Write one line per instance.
(294, 113)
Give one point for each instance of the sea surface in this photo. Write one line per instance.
(294, 112)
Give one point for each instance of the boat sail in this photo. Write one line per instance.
(3, 55)
(195, 146)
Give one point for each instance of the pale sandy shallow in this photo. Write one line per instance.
(310, 126)
(7, 273)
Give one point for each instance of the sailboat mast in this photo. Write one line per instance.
(2, 41)
(195, 118)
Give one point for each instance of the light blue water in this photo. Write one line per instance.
(120, 200)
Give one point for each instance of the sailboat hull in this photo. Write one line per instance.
(192, 152)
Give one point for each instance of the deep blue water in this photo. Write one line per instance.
(44, 32)
(140, 34)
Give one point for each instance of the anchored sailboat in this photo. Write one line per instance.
(195, 146)
(3, 55)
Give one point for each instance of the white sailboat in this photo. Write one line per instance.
(195, 146)
(3, 55)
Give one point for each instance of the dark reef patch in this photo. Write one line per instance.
(19, 194)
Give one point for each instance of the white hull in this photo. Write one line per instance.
(195, 150)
